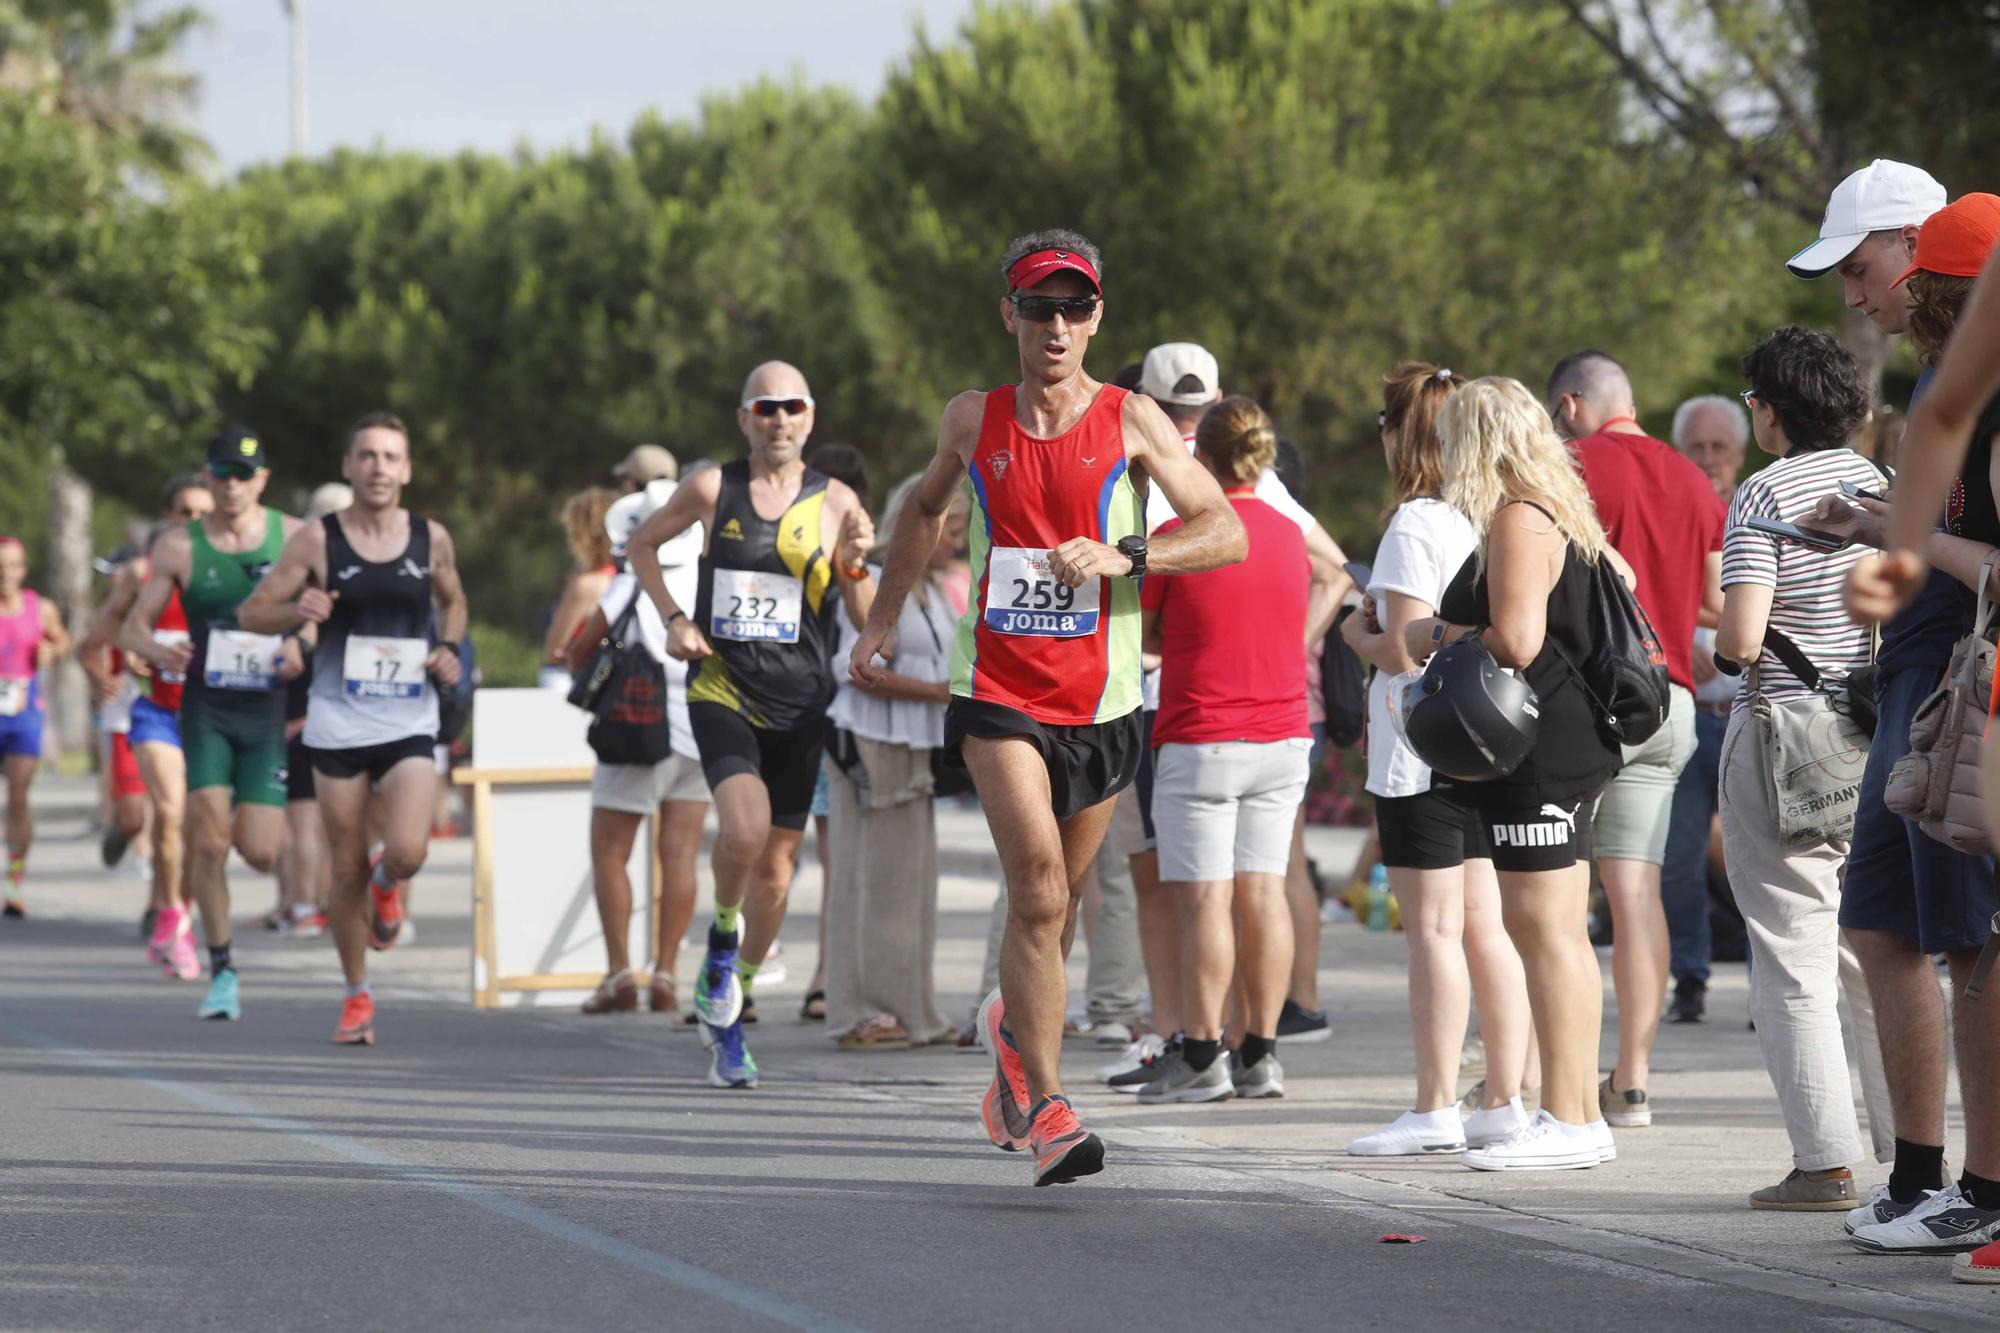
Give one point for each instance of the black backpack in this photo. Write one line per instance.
(1343, 683)
(624, 689)
(1625, 673)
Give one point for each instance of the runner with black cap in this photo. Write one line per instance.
(760, 638)
(1045, 666)
(232, 706)
(381, 585)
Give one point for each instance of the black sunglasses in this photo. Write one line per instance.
(233, 471)
(770, 407)
(1042, 309)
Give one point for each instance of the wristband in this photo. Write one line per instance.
(856, 574)
(677, 615)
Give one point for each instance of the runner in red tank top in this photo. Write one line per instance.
(155, 734)
(1045, 666)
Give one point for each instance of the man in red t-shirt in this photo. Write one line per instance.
(1663, 516)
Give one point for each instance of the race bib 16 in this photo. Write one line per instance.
(240, 660)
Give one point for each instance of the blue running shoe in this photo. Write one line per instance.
(222, 1002)
(729, 1062)
(718, 991)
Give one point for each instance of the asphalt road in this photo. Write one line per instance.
(544, 1170)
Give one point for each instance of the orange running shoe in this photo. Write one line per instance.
(1004, 1108)
(385, 915)
(357, 1021)
(1064, 1149)
(1982, 1265)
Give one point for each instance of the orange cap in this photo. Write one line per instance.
(1956, 239)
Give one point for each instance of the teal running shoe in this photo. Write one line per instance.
(223, 1001)
(718, 991)
(729, 1062)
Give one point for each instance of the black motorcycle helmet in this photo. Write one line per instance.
(1467, 717)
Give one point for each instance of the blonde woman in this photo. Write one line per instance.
(1434, 845)
(1526, 592)
(590, 547)
(881, 902)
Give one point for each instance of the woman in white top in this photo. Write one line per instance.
(881, 927)
(622, 795)
(1806, 401)
(1434, 848)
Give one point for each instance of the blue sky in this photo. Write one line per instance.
(446, 74)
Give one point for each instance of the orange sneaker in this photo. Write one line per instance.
(385, 915)
(1982, 1265)
(357, 1021)
(1064, 1149)
(1004, 1108)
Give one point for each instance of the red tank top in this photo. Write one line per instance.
(1064, 656)
(163, 688)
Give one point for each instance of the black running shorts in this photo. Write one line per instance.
(1087, 764)
(787, 762)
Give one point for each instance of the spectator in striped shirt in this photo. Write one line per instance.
(1806, 401)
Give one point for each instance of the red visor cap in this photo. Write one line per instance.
(1031, 270)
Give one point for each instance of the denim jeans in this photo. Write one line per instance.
(1684, 877)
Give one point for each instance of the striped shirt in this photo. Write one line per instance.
(1806, 602)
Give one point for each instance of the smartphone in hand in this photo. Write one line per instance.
(1854, 492)
(1818, 541)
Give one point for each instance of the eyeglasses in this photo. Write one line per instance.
(1043, 309)
(769, 406)
(232, 471)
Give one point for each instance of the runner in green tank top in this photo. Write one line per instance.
(233, 706)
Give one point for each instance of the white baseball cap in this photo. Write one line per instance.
(1170, 364)
(629, 511)
(1882, 196)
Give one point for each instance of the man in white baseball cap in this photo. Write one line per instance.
(1870, 234)
(1181, 374)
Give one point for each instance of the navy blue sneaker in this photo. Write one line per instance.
(1297, 1024)
(729, 1062)
(718, 991)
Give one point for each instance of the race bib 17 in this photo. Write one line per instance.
(240, 660)
(1024, 597)
(751, 606)
(14, 695)
(375, 668)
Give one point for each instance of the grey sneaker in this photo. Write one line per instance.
(1879, 1207)
(1800, 1193)
(1626, 1108)
(1179, 1081)
(1266, 1078)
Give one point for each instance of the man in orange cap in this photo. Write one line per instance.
(1895, 949)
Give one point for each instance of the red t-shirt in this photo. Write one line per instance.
(1664, 517)
(1232, 640)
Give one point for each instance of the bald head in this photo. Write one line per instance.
(1587, 389)
(775, 379)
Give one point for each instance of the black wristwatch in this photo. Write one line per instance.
(1133, 548)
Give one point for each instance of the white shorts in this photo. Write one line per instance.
(1225, 808)
(637, 789)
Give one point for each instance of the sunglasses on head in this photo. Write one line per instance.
(1042, 309)
(233, 471)
(769, 406)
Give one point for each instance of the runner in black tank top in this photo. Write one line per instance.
(758, 638)
(371, 578)
(765, 603)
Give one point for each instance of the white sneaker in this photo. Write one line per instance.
(1146, 1048)
(1111, 1036)
(1488, 1125)
(773, 972)
(1414, 1134)
(1879, 1207)
(1945, 1223)
(1543, 1144)
(1607, 1148)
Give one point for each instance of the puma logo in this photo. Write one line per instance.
(1556, 828)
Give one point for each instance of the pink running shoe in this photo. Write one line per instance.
(1004, 1109)
(160, 949)
(185, 962)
